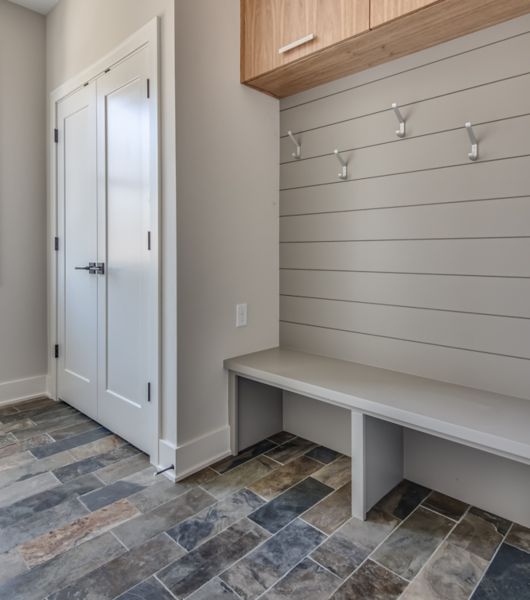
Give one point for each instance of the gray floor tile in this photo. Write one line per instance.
(62, 539)
(27, 487)
(403, 499)
(287, 506)
(159, 493)
(290, 450)
(120, 574)
(240, 477)
(214, 590)
(70, 443)
(41, 522)
(11, 565)
(47, 499)
(70, 419)
(281, 437)
(508, 576)
(211, 521)
(73, 429)
(33, 467)
(284, 477)
(346, 549)
(409, 547)
(480, 533)
(234, 461)
(445, 505)
(335, 474)
(39, 440)
(372, 582)
(263, 567)
(62, 570)
(192, 571)
(323, 454)
(452, 573)
(6, 439)
(332, 512)
(123, 468)
(164, 517)
(519, 537)
(150, 589)
(307, 581)
(110, 493)
(93, 463)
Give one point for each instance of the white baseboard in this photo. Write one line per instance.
(22, 389)
(201, 452)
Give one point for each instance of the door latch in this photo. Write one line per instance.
(93, 268)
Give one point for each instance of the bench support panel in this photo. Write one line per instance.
(256, 412)
(377, 461)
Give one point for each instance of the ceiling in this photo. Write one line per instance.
(41, 6)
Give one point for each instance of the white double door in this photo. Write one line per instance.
(104, 271)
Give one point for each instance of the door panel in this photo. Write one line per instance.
(124, 222)
(77, 227)
(329, 20)
(382, 11)
(268, 25)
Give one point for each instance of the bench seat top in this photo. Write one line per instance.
(488, 421)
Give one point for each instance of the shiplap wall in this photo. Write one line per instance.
(420, 262)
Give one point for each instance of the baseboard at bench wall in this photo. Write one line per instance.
(202, 451)
(490, 482)
(22, 389)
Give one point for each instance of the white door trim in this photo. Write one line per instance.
(149, 36)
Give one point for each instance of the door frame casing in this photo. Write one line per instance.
(148, 36)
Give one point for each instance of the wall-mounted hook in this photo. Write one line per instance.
(298, 152)
(343, 163)
(473, 155)
(401, 131)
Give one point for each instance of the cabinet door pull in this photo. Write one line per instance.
(297, 43)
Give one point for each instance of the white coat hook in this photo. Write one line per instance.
(401, 131)
(473, 155)
(343, 163)
(298, 150)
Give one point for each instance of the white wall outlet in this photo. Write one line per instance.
(241, 315)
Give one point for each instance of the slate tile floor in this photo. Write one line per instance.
(81, 516)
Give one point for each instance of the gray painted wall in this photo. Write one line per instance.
(22, 203)
(419, 261)
(227, 213)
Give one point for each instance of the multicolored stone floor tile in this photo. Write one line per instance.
(82, 517)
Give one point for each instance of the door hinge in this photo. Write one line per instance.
(149, 391)
(149, 88)
(56, 135)
(56, 244)
(56, 351)
(149, 240)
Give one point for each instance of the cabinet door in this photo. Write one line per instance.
(329, 21)
(259, 37)
(277, 32)
(382, 11)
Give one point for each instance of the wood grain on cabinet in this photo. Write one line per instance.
(268, 25)
(437, 23)
(382, 11)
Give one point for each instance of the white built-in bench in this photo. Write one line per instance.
(381, 403)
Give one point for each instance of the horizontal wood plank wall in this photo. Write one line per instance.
(420, 261)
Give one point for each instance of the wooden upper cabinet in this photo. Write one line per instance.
(382, 11)
(328, 39)
(278, 32)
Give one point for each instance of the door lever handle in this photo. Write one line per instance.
(93, 268)
(90, 267)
